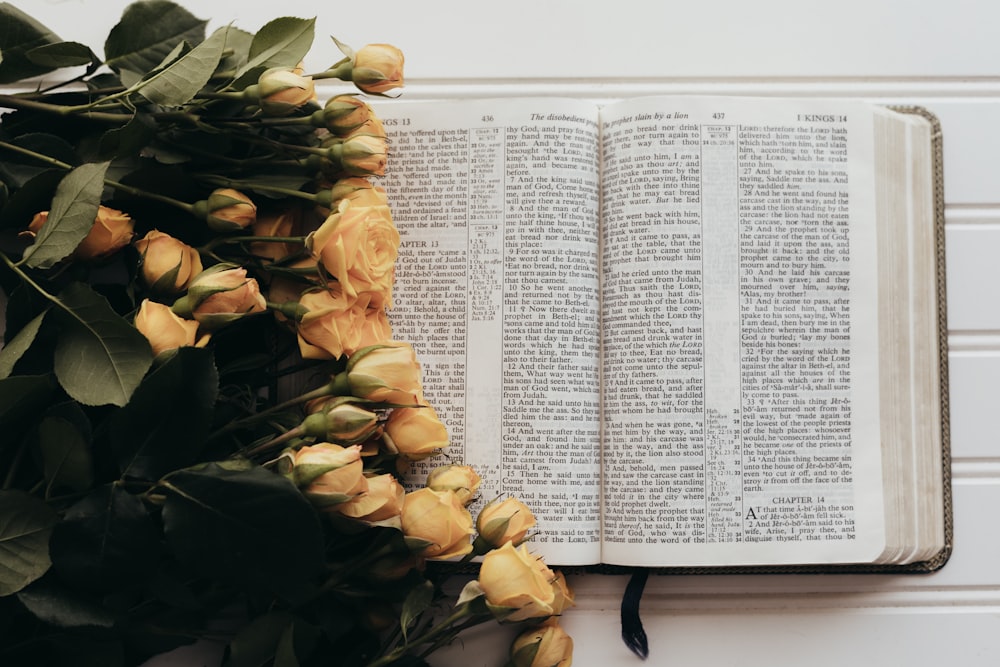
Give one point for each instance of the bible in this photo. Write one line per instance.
(689, 332)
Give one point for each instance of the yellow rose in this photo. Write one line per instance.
(507, 520)
(378, 68)
(112, 230)
(221, 294)
(168, 265)
(164, 330)
(358, 245)
(547, 645)
(229, 210)
(334, 325)
(282, 91)
(344, 113)
(329, 473)
(440, 518)
(513, 578)
(382, 503)
(387, 373)
(416, 433)
(376, 328)
(460, 479)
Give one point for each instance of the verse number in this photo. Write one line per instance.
(718, 115)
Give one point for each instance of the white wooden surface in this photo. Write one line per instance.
(944, 55)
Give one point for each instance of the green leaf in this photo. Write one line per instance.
(63, 54)
(17, 169)
(127, 140)
(20, 397)
(147, 32)
(19, 34)
(66, 460)
(100, 358)
(34, 196)
(240, 523)
(165, 424)
(25, 525)
(61, 607)
(13, 350)
(74, 210)
(282, 42)
(106, 542)
(181, 80)
(238, 50)
(418, 600)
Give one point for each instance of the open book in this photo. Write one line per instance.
(687, 331)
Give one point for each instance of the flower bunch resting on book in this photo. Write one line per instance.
(205, 413)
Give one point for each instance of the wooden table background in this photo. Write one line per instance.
(942, 55)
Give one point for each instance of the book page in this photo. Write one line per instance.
(740, 333)
(497, 288)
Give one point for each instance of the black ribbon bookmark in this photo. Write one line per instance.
(632, 633)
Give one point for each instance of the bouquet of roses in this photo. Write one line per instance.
(207, 425)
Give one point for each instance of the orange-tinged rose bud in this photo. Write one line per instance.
(164, 330)
(37, 221)
(341, 423)
(229, 211)
(112, 230)
(386, 373)
(282, 91)
(168, 265)
(363, 155)
(507, 520)
(359, 245)
(416, 433)
(344, 113)
(378, 68)
(460, 479)
(515, 579)
(220, 295)
(547, 645)
(440, 518)
(370, 128)
(330, 474)
(382, 503)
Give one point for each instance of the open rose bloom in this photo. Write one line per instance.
(358, 246)
(337, 324)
